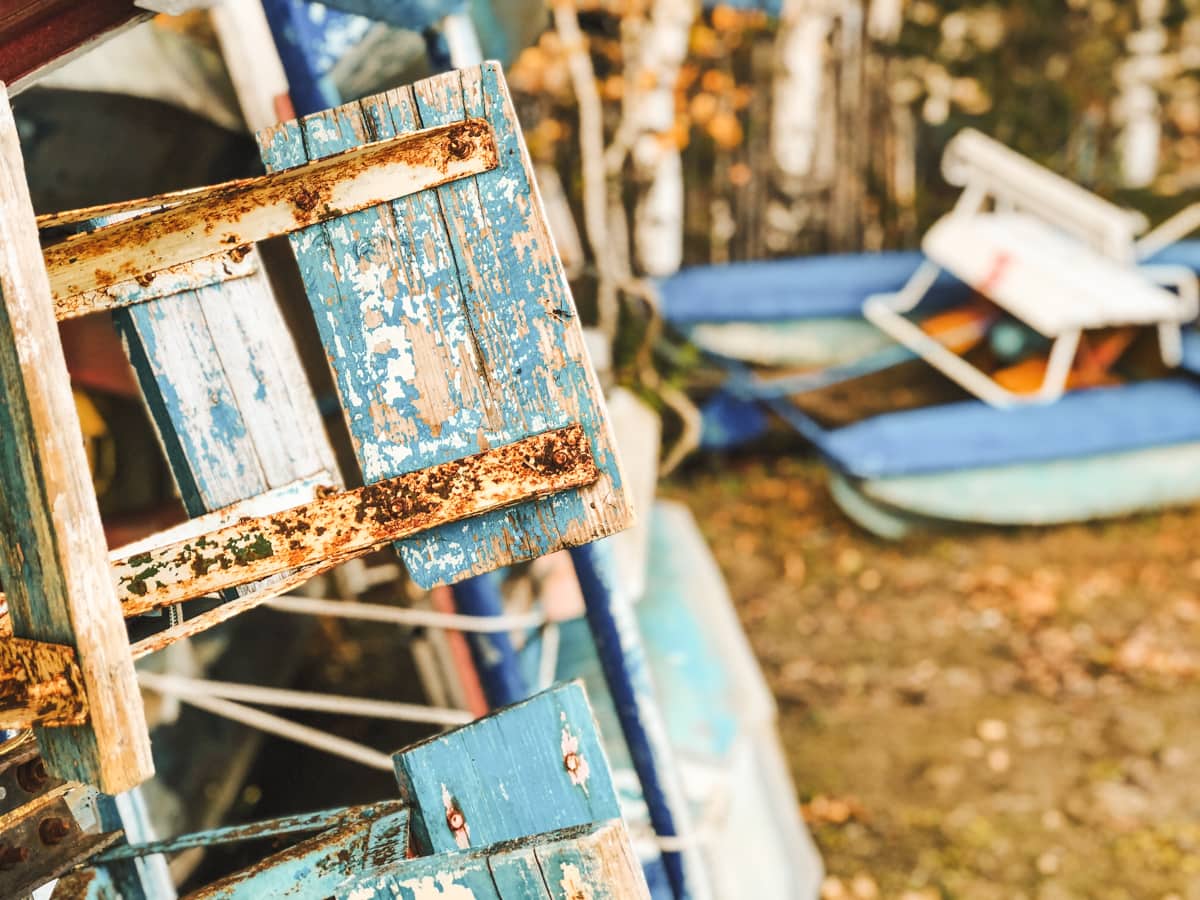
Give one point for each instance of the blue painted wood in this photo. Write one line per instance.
(592, 862)
(319, 866)
(449, 325)
(533, 766)
(494, 655)
(415, 15)
(622, 656)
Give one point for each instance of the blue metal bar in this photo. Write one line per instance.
(146, 878)
(614, 628)
(494, 654)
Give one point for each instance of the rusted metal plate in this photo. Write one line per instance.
(348, 524)
(25, 784)
(239, 213)
(40, 684)
(43, 845)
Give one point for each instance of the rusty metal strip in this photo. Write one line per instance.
(239, 213)
(227, 265)
(349, 524)
(40, 684)
(206, 620)
(43, 845)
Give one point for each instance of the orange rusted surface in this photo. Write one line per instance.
(40, 684)
(348, 524)
(242, 212)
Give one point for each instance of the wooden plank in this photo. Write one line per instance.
(348, 524)
(449, 324)
(239, 213)
(315, 867)
(589, 862)
(53, 559)
(532, 766)
(227, 394)
(40, 684)
(598, 865)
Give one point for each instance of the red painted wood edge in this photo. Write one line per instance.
(34, 33)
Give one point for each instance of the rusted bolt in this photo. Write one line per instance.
(32, 776)
(11, 856)
(53, 829)
(455, 819)
(459, 149)
(571, 762)
(561, 457)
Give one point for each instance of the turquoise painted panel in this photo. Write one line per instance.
(535, 766)
(449, 325)
(1064, 490)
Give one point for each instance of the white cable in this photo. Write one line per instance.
(292, 731)
(399, 615)
(181, 686)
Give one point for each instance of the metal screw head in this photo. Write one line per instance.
(571, 762)
(455, 819)
(11, 856)
(32, 776)
(53, 829)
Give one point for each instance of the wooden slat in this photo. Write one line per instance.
(317, 866)
(240, 213)
(589, 862)
(454, 327)
(53, 559)
(351, 523)
(546, 753)
(40, 684)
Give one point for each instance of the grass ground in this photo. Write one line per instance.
(976, 714)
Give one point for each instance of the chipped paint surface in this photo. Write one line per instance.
(573, 884)
(455, 820)
(573, 761)
(443, 886)
(343, 525)
(449, 325)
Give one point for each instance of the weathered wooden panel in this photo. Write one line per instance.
(240, 213)
(591, 862)
(53, 559)
(533, 766)
(225, 388)
(449, 324)
(317, 866)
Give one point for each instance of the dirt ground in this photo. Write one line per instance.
(980, 714)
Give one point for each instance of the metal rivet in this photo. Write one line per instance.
(11, 856)
(455, 819)
(571, 762)
(53, 829)
(32, 776)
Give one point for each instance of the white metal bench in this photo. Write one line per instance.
(1052, 254)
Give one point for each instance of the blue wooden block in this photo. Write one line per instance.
(449, 325)
(536, 766)
(317, 867)
(593, 861)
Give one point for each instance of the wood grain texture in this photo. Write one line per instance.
(40, 684)
(53, 560)
(449, 325)
(240, 213)
(317, 866)
(529, 767)
(589, 862)
(344, 525)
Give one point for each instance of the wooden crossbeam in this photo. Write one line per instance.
(339, 527)
(240, 213)
(40, 684)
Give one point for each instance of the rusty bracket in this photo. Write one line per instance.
(40, 684)
(44, 843)
(173, 229)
